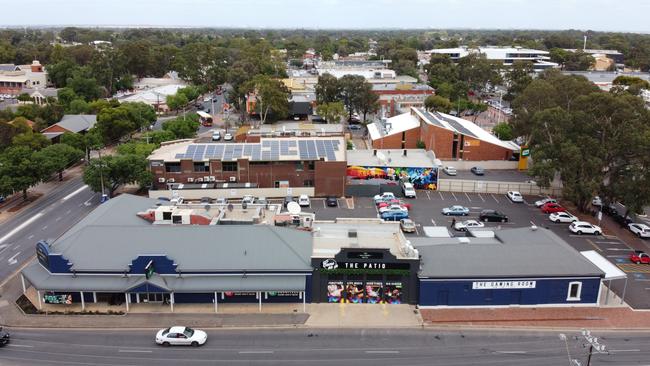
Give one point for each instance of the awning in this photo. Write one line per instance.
(612, 272)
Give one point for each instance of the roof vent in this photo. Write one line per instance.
(352, 233)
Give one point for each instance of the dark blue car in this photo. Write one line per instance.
(394, 215)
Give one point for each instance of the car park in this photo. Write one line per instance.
(331, 201)
(583, 227)
(393, 208)
(639, 257)
(552, 207)
(515, 196)
(492, 216)
(544, 201)
(640, 230)
(477, 170)
(455, 210)
(394, 215)
(384, 196)
(450, 170)
(354, 127)
(468, 225)
(227, 136)
(4, 337)
(303, 200)
(181, 336)
(393, 202)
(562, 217)
(407, 225)
(206, 200)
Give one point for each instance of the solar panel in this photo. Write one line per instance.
(458, 127)
(311, 149)
(209, 153)
(180, 156)
(218, 152)
(284, 147)
(237, 151)
(266, 143)
(248, 149)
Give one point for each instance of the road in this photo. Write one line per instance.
(321, 347)
(47, 218)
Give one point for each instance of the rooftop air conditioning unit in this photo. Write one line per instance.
(171, 180)
(233, 179)
(190, 180)
(161, 180)
(212, 178)
(199, 180)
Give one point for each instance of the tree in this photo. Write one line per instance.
(176, 101)
(142, 115)
(66, 96)
(477, 71)
(20, 168)
(87, 142)
(352, 87)
(56, 158)
(368, 101)
(333, 112)
(631, 84)
(78, 106)
(24, 97)
(190, 92)
(271, 97)
(503, 131)
(518, 78)
(182, 128)
(60, 72)
(7, 133)
(328, 89)
(115, 123)
(437, 103)
(84, 85)
(157, 137)
(116, 171)
(31, 140)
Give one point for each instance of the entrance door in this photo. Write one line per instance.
(443, 297)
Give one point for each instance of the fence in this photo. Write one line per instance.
(478, 186)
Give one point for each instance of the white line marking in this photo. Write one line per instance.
(379, 351)
(58, 219)
(467, 195)
(324, 205)
(45, 227)
(433, 222)
(74, 193)
(511, 352)
(481, 197)
(134, 351)
(625, 250)
(497, 201)
(20, 345)
(16, 247)
(624, 350)
(30, 237)
(428, 196)
(21, 226)
(255, 352)
(441, 196)
(608, 242)
(452, 193)
(13, 260)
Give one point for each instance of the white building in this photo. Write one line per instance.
(507, 55)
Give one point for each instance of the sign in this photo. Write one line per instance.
(57, 299)
(502, 285)
(330, 264)
(43, 254)
(149, 270)
(284, 293)
(469, 143)
(525, 151)
(365, 255)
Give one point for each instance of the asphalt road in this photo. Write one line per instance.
(322, 347)
(490, 175)
(47, 218)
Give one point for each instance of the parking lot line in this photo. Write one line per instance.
(429, 197)
(324, 205)
(452, 193)
(594, 245)
(481, 197)
(497, 201)
(433, 222)
(441, 196)
(467, 195)
(348, 201)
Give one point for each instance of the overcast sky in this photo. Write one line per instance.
(618, 15)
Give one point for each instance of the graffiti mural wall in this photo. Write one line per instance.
(422, 178)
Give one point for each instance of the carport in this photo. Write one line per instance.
(611, 271)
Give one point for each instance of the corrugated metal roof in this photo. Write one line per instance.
(78, 122)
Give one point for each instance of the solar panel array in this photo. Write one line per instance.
(457, 126)
(267, 150)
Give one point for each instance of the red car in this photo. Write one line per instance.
(394, 202)
(551, 207)
(640, 257)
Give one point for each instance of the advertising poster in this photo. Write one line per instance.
(393, 293)
(335, 291)
(373, 292)
(354, 292)
(421, 178)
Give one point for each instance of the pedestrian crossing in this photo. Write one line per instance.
(634, 268)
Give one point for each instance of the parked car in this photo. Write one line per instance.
(455, 211)
(450, 170)
(393, 208)
(562, 217)
(492, 216)
(544, 201)
(216, 136)
(477, 170)
(468, 224)
(394, 215)
(303, 200)
(4, 337)
(221, 201)
(621, 219)
(408, 189)
(227, 136)
(181, 336)
(583, 227)
(515, 196)
(331, 201)
(639, 257)
(407, 225)
(394, 202)
(384, 196)
(354, 127)
(206, 200)
(641, 230)
(552, 207)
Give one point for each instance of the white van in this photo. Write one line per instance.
(408, 189)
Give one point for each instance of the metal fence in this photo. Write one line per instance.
(477, 186)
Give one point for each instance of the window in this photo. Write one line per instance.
(167, 215)
(312, 165)
(229, 166)
(575, 288)
(299, 166)
(308, 183)
(201, 167)
(173, 167)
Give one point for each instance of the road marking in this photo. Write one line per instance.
(617, 256)
(467, 195)
(134, 351)
(73, 193)
(324, 205)
(21, 226)
(497, 201)
(511, 352)
(632, 267)
(58, 219)
(68, 212)
(609, 242)
(45, 227)
(452, 193)
(20, 345)
(481, 197)
(30, 237)
(441, 196)
(416, 230)
(433, 222)
(594, 245)
(619, 249)
(13, 260)
(16, 247)
(382, 351)
(624, 350)
(428, 196)
(255, 352)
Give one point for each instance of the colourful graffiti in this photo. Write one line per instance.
(422, 178)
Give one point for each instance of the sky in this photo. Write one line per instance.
(604, 15)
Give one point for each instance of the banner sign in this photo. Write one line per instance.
(502, 285)
(58, 299)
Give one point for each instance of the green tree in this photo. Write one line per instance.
(631, 84)
(116, 171)
(352, 87)
(115, 123)
(368, 101)
(271, 97)
(85, 142)
(503, 131)
(66, 96)
(157, 137)
(136, 148)
(56, 158)
(477, 71)
(60, 72)
(78, 106)
(176, 101)
(333, 112)
(20, 168)
(518, 78)
(182, 128)
(328, 89)
(31, 140)
(84, 86)
(142, 115)
(437, 103)
(24, 97)
(190, 92)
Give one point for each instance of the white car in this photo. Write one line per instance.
(544, 201)
(597, 201)
(303, 200)
(583, 227)
(216, 136)
(641, 230)
(393, 208)
(449, 170)
(181, 336)
(384, 197)
(468, 224)
(227, 137)
(562, 217)
(515, 196)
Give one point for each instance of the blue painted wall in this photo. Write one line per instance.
(161, 264)
(546, 291)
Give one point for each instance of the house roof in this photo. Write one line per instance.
(77, 122)
(8, 67)
(521, 252)
(46, 92)
(398, 124)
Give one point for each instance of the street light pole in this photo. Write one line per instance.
(101, 171)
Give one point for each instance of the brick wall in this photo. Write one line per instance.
(395, 141)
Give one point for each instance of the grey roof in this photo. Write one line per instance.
(8, 67)
(520, 252)
(78, 122)
(415, 158)
(46, 92)
(607, 76)
(41, 279)
(112, 236)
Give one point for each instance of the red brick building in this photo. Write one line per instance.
(394, 98)
(447, 136)
(271, 163)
